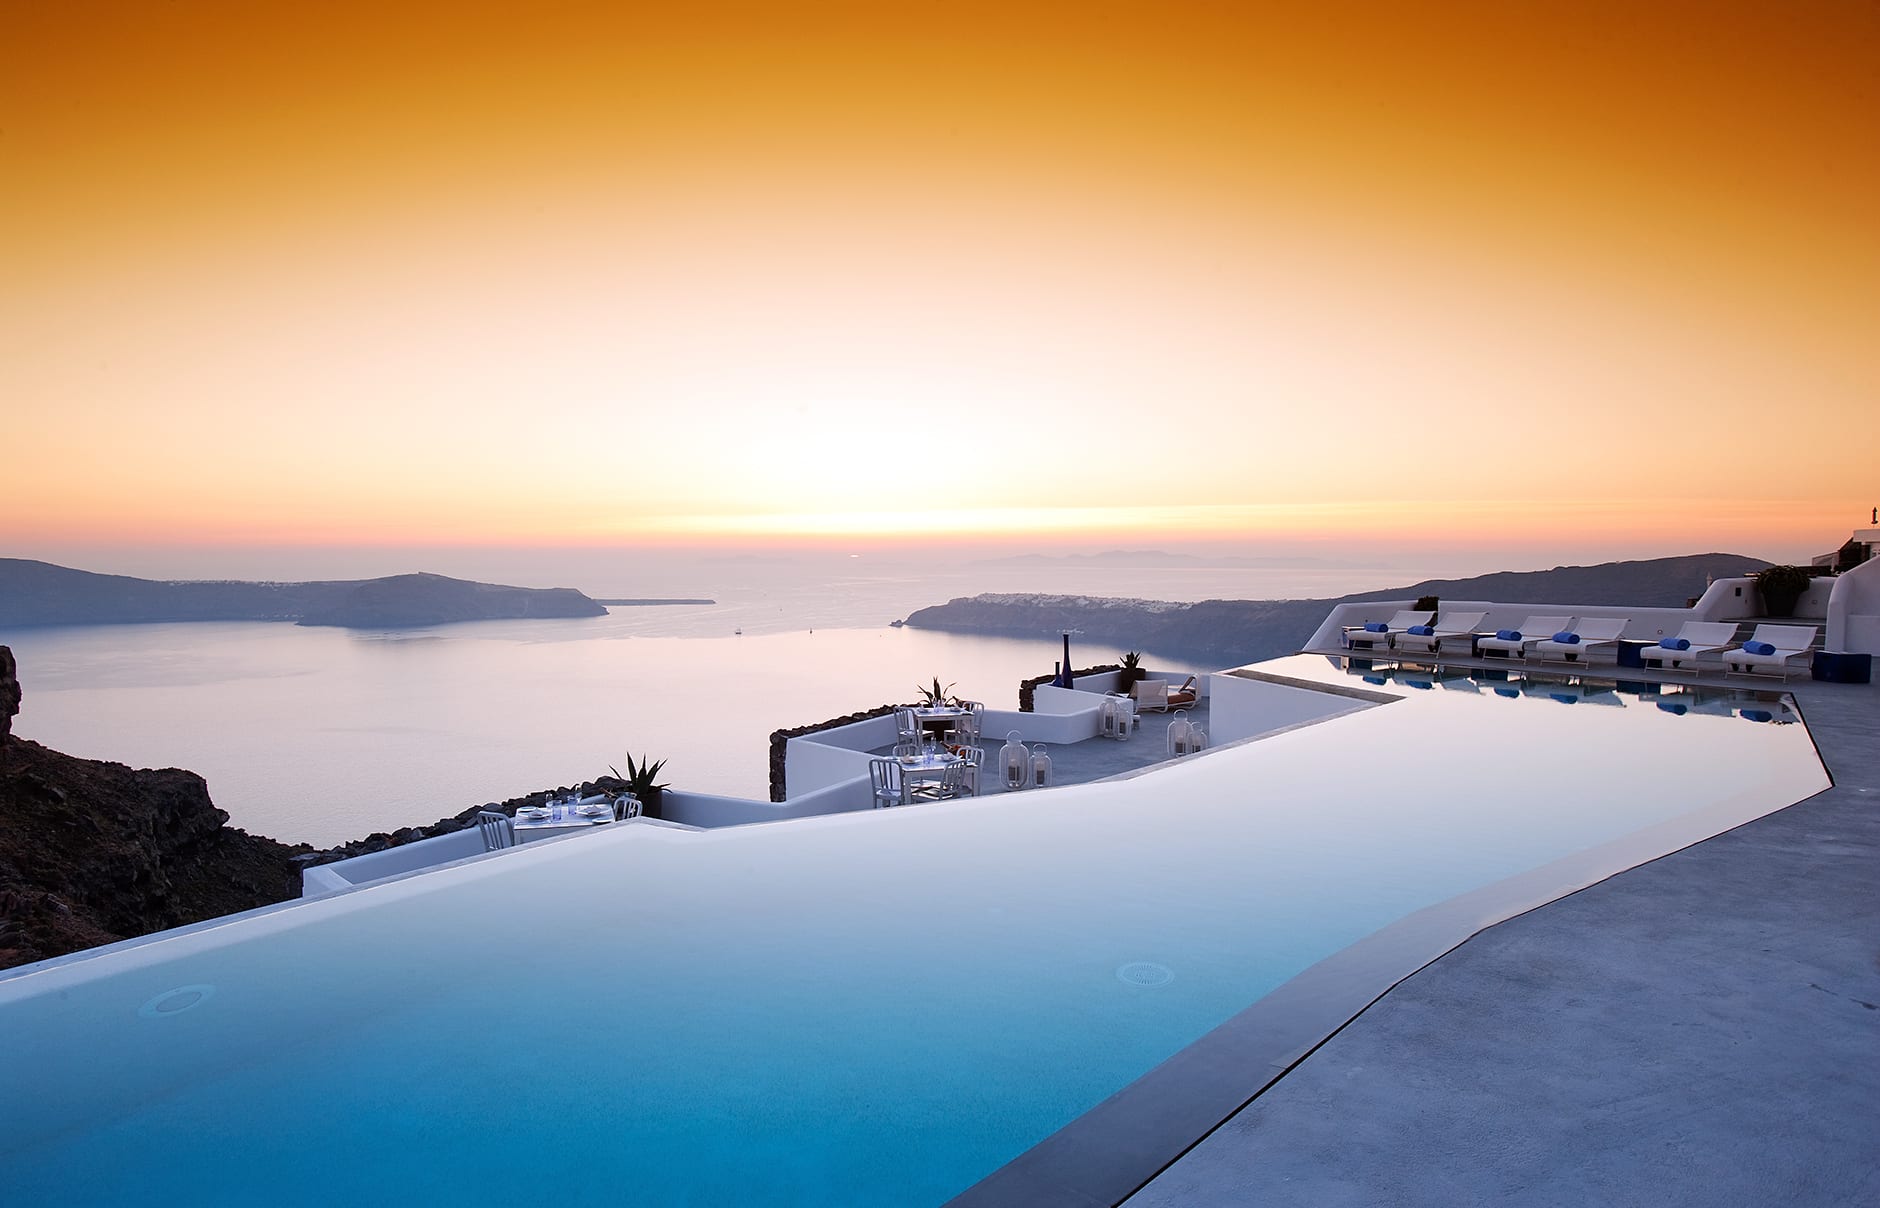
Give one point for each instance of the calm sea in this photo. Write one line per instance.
(324, 735)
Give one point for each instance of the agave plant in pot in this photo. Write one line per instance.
(1132, 671)
(640, 781)
(933, 694)
(1781, 588)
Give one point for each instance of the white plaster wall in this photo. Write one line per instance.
(1241, 708)
(708, 810)
(1854, 610)
(1072, 716)
(812, 762)
(408, 857)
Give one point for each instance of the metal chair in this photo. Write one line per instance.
(969, 778)
(499, 830)
(906, 726)
(626, 806)
(949, 786)
(884, 777)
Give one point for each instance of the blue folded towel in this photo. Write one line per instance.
(1675, 643)
(1670, 707)
(1422, 631)
(1376, 627)
(1758, 648)
(1567, 637)
(1508, 635)
(1758, 715)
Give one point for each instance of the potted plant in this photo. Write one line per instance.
(1131, 672)
(935, 694)
(639, 781)
(1781, 587)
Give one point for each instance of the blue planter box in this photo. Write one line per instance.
(1843, 668)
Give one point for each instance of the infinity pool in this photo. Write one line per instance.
(867, 1008)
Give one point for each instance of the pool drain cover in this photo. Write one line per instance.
(174, 1002)
(1145, 973)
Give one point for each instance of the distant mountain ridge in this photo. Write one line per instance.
(1239, 631)
(40, 593)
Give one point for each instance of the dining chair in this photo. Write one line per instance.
(626, 806)
(499, 830)
(906, 726)
(884, 777)
(947, 787)
(970, 758)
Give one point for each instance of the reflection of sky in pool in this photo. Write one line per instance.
(872, 1008)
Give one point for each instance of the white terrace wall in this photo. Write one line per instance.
(1854, 611)
(707, 810)
(408, 857)
(1243, 708)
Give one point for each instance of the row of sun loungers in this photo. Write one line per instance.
(1771, 650)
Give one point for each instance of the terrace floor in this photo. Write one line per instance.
(1703, 1029)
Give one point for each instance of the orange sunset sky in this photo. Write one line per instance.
(1528, 275)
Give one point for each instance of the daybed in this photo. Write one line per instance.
(1513, 643)
(1373, 634)
(1771, 650)
(1695, 638)
(1447, 625)
(1594, 639)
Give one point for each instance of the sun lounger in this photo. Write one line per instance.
(1514, 643)
(1447, 625)
(1598, 640)
(1370, 636)
(1694, 639)
(1771, 650)
(1150, 694)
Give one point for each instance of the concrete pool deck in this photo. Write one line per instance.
(1703, 1029)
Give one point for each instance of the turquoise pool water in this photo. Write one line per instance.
(875, 1008)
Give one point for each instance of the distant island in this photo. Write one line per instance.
(1226, 632)
(39, 593)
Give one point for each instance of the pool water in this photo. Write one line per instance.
(866, 1008)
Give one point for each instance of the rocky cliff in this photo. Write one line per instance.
(93, 852)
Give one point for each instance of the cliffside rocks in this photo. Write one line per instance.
(92, 852)
(9, 691)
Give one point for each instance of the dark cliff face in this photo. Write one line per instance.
(93, 852)
(9, 691)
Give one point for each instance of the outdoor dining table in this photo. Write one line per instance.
(940, 718)
(928, 765)
(561, 818)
